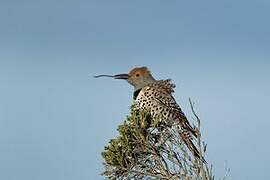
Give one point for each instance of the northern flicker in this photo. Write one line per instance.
(156, 96)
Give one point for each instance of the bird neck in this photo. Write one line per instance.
(136, 93)
(144, 82)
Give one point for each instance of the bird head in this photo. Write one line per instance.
(138, 77)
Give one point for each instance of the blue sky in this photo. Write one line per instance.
(55, 119)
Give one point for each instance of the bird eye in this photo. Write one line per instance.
(137, 75)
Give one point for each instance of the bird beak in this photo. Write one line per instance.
(117, 76)
(121, 76)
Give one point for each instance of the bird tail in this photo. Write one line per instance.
(188, 142)
(185, 124)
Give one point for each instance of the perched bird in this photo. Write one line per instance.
(156, 96)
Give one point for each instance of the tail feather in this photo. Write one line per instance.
(188, 142)
(190, 128)
(185, 124)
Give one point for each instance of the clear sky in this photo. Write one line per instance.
(55, 119)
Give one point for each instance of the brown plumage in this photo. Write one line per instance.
(156, 96)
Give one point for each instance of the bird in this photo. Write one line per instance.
(156, 96)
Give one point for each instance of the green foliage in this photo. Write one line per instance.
(148, 148)
(121, 152)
